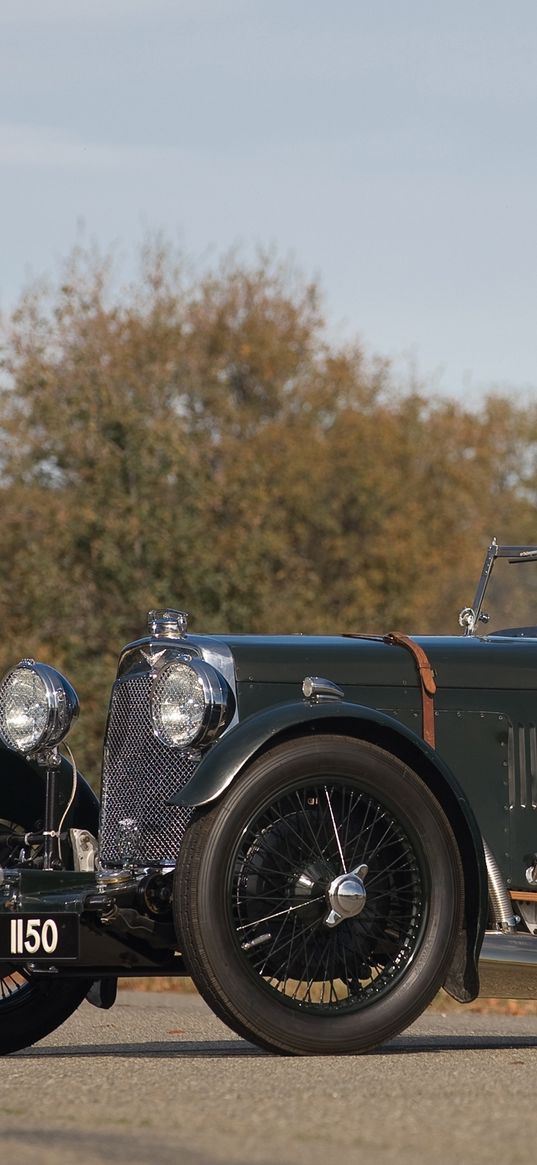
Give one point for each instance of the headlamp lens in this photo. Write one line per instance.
(24, 709)
(178, 705)
(191, 703)
(37, 706)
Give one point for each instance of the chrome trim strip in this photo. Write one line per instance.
(221, 657)
(511, 766)
(533, 765)
(522, 766)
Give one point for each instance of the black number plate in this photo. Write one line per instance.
(25, 937)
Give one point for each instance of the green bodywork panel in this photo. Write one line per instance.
(486, 713)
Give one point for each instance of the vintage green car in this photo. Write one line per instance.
(321, 831)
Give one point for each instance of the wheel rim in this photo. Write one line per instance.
(286, 876)
(14, 986)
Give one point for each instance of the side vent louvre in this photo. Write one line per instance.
(522, 766)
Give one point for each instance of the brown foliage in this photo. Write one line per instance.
(196, 440)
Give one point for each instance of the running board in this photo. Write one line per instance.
(508, 966)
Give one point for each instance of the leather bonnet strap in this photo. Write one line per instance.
(425, 672)
(426, 680)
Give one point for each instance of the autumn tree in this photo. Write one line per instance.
(196, 439)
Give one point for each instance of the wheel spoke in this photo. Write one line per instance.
(306, 818)
(289, 855)
(336, 834)
(288, 910)
(361, 846)
(394, 867)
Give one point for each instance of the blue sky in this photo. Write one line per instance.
(389, 148)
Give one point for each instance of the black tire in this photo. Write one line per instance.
(270, 848)
(31, 1007)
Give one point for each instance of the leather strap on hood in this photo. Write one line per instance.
(426, 677)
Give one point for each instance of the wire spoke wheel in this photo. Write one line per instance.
(278, 890)
(318, 902)
(30, 1008)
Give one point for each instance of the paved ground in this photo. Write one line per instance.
(159, 1079)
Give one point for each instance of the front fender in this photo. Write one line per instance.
(238, 747)
(224, 762)
(22, 792)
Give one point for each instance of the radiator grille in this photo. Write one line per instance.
(139, 776)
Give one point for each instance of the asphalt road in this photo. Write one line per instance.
(159, 1079)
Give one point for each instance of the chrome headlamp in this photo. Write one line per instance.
(37, 707)
(190, 703)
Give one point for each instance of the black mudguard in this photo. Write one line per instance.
(22, 793)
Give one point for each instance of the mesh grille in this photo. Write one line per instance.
(139, 775)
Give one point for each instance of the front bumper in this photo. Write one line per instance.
(115, 937)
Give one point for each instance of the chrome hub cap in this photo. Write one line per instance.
(347, 896)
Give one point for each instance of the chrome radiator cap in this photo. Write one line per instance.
(167, 624)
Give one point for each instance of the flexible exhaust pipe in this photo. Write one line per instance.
(508, 959)
(499, 895)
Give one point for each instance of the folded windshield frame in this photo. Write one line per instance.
(469, 617)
